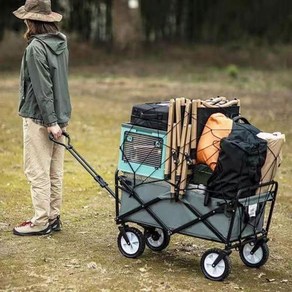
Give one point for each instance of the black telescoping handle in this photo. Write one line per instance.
(67, 146)
(83, 162)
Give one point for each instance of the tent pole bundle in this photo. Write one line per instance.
(179, 136)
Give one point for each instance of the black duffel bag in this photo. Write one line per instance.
(241, 158)
(151, 115)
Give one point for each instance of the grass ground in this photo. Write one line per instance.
(84, 256)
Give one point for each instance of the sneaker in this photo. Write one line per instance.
(56, 224)
(28, 228)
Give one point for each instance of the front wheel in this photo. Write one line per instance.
(157, 239)
(215, 272)
(254, 259)
(131, 242)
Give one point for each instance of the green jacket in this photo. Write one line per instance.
(44, 93)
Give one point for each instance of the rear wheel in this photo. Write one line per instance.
(133, 245)
(156, 239)
(215, 272)
(254, 259)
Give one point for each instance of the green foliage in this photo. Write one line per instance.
(232, 71)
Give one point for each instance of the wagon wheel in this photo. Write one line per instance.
(136, 242)
(254, 259)
(157, 239)
(218, 272)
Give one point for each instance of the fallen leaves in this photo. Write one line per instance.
(261, 275)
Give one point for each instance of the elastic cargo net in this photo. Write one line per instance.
(167, 141)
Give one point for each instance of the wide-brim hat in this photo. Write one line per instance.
(39, 10)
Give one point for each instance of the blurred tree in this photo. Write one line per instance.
(126, 24)
(7, 20)
(155, 15)
(80, 17)
(90, 19)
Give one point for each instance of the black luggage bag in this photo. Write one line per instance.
(151, 115)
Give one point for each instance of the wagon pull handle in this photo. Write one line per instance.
(67, 146)
(83, 162)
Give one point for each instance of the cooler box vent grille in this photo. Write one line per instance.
(142, 149)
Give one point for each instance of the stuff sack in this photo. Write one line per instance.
(217, 127)
(274, 157)
(241, 158)
(219, 104)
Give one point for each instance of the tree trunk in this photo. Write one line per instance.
(126, 25)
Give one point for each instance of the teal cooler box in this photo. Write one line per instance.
(142, 151)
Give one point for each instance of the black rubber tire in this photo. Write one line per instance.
(212, 273)
(137, 243)
(153, 238)
(258, 259)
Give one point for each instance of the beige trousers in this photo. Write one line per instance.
(43, 167)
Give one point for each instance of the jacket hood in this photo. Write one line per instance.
(56, 42)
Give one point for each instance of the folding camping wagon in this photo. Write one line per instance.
(162, 190)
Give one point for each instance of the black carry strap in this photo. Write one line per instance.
(237, 119)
